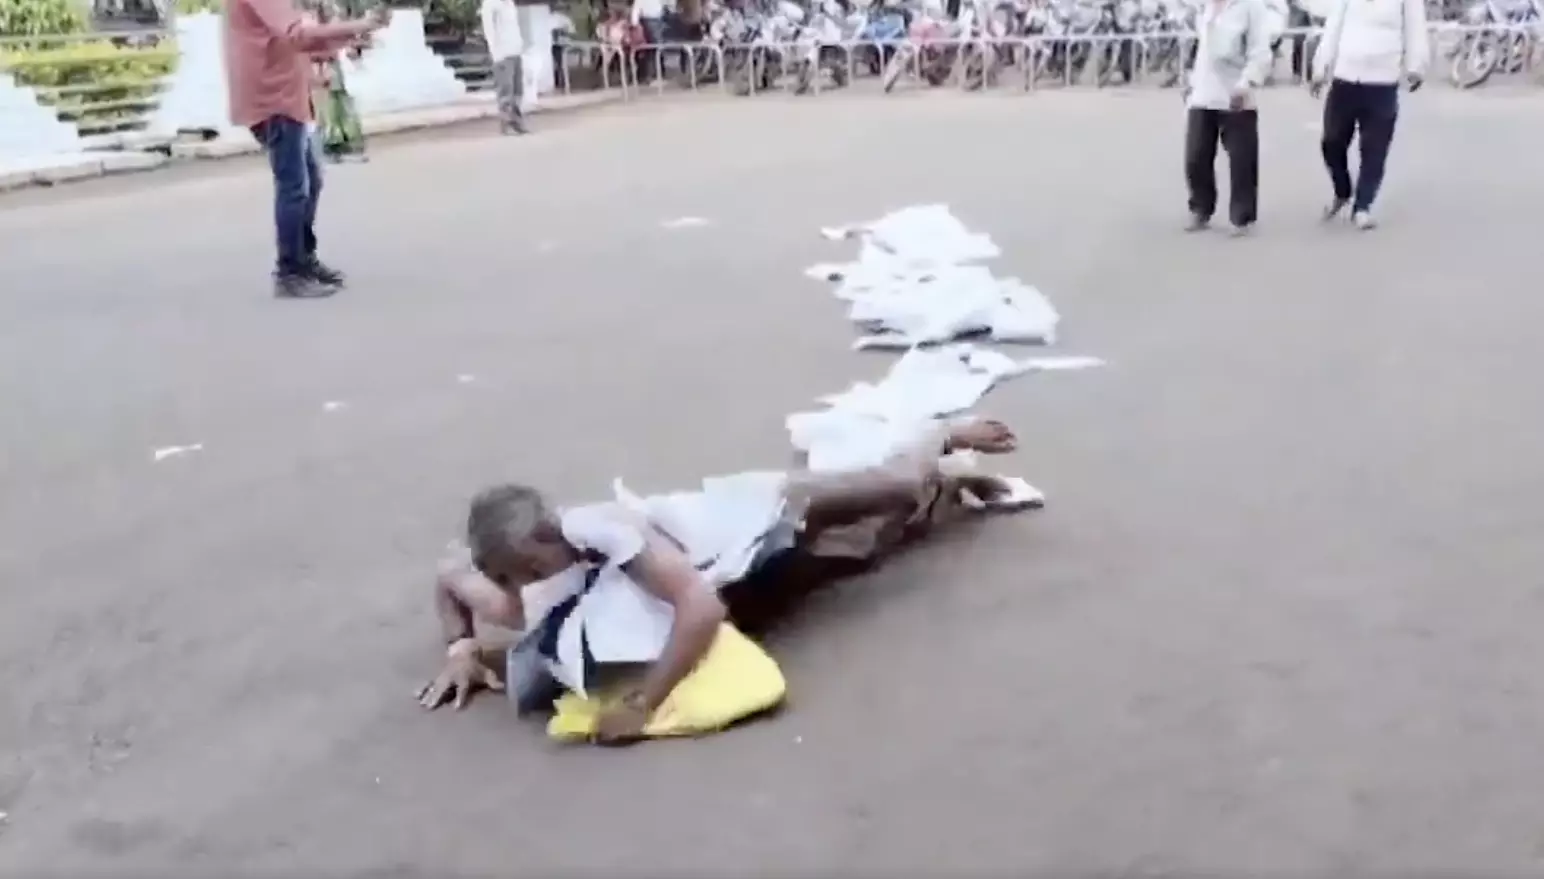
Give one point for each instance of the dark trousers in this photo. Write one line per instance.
(297, 187)
(1239, 133)
(1367, 112)
(651, 60)
(509, 88)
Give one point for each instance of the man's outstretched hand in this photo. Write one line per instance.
(463, 673)
(623, 722)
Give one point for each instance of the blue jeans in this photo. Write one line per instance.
(1367, 112)
(297, 187)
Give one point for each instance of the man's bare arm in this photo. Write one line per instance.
(462, 596)
(280, 19)
(665, 572)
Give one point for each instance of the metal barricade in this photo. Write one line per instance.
(586, 65)
(1468, 55)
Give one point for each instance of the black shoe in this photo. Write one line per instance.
(323, 273)
(513, 128)
(1198, 223)
(291, 286)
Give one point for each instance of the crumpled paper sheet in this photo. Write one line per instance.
(917, 282)
(866, 423)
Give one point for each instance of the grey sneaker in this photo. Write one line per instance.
(1198, 223)
(324, 274)
(300, 287)
(1241, 230)
(1364, 220)
(1334, 209)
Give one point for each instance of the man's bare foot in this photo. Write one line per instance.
(1001, 493)
(982, 435)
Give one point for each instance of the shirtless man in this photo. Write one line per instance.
(515, 538)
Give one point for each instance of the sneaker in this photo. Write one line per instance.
(1364, 220)
(1241, 230)
(300, 287)
(1198, 223)
(513, 128)
(325, 274)
(1334, 209)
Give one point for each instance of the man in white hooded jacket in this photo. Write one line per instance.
(1233, 57)
(1369, 47)
(501, 31)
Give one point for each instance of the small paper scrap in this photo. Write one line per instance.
(333, 405)
(162, 454)
(466, 378)
(684, 223)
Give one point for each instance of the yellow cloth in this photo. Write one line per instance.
(735, 680)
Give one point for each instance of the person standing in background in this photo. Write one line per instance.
(268, 52)
(501, 31)
(1233, 57)
(1369, 47)
(341, 131)
(649, 16)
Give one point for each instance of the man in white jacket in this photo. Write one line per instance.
(1369, 47)
(501, 31)
(1233, 57)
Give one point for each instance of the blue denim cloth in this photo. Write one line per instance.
(297, 186)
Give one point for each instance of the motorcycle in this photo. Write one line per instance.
(1497, 39)
(817, 50)
(939, 51)
(879, 33)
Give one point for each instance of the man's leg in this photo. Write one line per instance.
(315, 268)
(1241, 138)
(911, 477)
(288, 146)
(1340, 112)
(517, 84)
(1201, 133)
(1379, 113)
(653, 59)
(504, 92)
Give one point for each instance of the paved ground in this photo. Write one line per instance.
(1282, 614)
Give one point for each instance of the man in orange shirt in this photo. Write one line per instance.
(268, 51)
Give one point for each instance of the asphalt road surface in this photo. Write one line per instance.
(1282, 613)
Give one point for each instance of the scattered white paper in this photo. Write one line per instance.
(684, 223)
(1058, 364)
(165, 452)
(466, 378)
(334, 406)
(917, 281)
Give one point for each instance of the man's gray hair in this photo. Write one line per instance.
(501, 518)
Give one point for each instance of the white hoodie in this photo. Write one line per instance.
(501, 29)
(1376, 42)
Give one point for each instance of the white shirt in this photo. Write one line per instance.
(1233, 52)
(648, 9)
(721, 529)
(1373, 41)
(1280, 12)
(501, 29)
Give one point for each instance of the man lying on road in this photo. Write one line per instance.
(793, 530)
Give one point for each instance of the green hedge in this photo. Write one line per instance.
(25, 18)
(98, 86)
